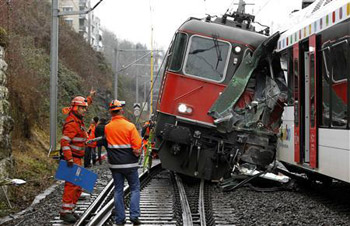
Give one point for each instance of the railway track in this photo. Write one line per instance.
(165, 200)
(170, 199)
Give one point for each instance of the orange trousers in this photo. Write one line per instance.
(71, 193)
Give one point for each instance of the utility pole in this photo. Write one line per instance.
(53, 77)
(151, 99)
(137, 82)
(54, 66)
(145, 94)
(116, 56)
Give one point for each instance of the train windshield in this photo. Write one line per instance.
(207, 58)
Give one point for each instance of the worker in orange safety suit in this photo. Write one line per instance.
(145, 133)
(73, 141)
(90, 150)
(124, 144)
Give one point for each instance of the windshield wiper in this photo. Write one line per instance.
(218, 50)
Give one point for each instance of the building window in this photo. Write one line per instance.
(69, 22)
(67, 8)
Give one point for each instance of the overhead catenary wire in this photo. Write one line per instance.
(261, 8)
(230, 7)
(152, 85)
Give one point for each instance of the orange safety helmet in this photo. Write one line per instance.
(116, 105)
(79, 101)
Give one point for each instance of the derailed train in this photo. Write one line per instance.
(232, 96)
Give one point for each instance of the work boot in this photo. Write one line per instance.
(135, 221)
(68, 218)
(76, 216)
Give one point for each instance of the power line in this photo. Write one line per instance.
(230, 7)
(266, 3)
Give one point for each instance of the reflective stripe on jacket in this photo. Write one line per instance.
(122, 138)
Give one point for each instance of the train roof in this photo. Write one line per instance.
(232, 34)
(317, 17)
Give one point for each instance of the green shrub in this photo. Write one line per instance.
(3, 37)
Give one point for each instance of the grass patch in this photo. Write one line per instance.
(33, 166)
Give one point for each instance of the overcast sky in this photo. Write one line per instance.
(132, 19)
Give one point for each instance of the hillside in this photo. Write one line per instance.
(80, 69)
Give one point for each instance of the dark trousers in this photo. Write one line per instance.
(90, 154)
(99, 150)
(131, 175)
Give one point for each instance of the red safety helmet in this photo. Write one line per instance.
(116, 105)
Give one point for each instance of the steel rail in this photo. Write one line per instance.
(95, 206)
(186, 211)
(105, 213)
(201, 204)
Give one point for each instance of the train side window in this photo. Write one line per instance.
(336, 60)
(178, 51)
(296, 91)
(287, 68)
(325, 92)
(312, 90)
(207, 58)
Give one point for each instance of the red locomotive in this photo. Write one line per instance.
(201, 61)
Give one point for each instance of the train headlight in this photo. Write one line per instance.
(238, 49)
(184, 109)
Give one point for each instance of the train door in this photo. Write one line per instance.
(306, 115)
(312, 113)
(296, 94)
(305, 132)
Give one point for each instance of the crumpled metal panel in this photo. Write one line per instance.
(231, 110)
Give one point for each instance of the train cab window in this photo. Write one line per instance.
(207, 58)
(178, 51)
(335, 84)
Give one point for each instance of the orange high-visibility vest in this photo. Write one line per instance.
(123, 140)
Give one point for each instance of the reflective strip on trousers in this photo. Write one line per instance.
(66, 138)
(77, 148)
(66, 211)
(123, 166)
(64, 148)
(119, 146)
(68, 205)
(79, 139)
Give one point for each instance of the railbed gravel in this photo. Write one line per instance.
(307, 206)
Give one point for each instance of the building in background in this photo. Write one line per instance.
(96, 34)
(68, 6)
(87, 25)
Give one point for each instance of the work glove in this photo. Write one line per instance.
(70, 163)
(88, 142)
(92, 92)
